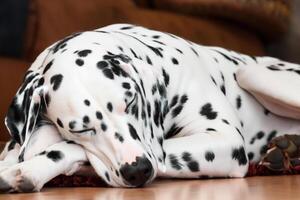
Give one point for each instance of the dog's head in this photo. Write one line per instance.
(113, 107)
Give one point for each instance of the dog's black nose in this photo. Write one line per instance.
(138, 172)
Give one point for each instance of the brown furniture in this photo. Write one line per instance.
(49, 21)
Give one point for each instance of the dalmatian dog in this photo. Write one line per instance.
(138, 104)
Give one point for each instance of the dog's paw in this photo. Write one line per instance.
(13, 181)
(5, 187)
(283, 153)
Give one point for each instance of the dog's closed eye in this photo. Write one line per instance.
(84, 131)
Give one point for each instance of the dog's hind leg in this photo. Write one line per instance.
(275, 84)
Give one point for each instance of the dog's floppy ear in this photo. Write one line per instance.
(24, 110)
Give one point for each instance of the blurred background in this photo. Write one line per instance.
(256, 27)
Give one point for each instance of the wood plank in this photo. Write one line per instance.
(258, 188)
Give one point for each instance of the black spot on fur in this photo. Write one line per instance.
(209, 156)
(174, 61)
(56, 81)
(134, 54)
(133, 132)
(159, 42)
(154, 89)
(239, 155)
(99, 115)
(242, 124)
(238, 130)
(126, 27)
(70, 142)
(102, 64)
(193, 166)
(183, 99)
(108, 73)
(210, 129)
(72, 124)
(260, 135)
(213, 80)
(11, 145)
(117, 173)
(79, 62)
(271, 136)
(166, 77)
(227, 57)
(174, 101)
(156, 112)
(84, 53)
(47, 99)
(21, 156)
(222, 76)
(186, 156)
(176, 111)
(121, 49)
(86, 119)
(126, 85)
(119, 137)
(41, 82)
(250, 155)
(160, 140)
(48, 66)
(225, 121)
(273, 68)
(109, 106)
(103, 127)
(87, 102)
(59, 122)
(223, 89)
(129, 94)
(179, 50)
(148, 109)
(42, 153)
(174, 130)
(148, 60)
(162, 90)
(234, 76)
(195, 52)
(55, 156)
(208, 112)
(238, 102)
(174, 162)
(107, 176)
(36, 107)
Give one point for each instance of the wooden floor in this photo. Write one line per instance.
(280, 187)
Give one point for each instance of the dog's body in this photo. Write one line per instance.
(138, 104)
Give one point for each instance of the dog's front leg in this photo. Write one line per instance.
(9, 155)
(32, 174)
